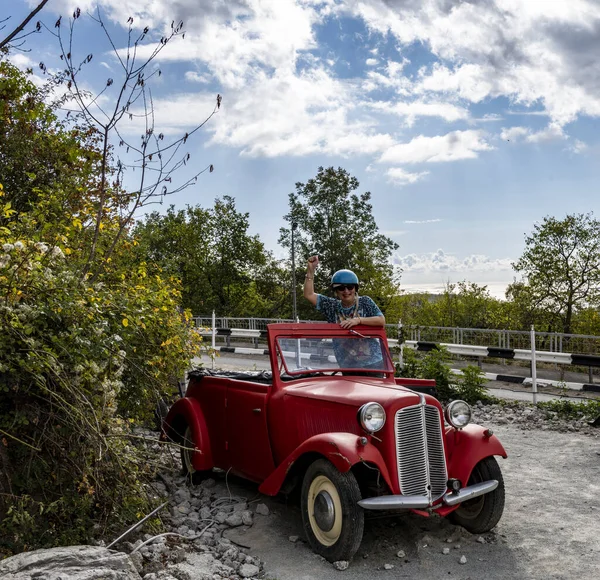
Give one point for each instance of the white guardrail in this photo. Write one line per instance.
(533, 356)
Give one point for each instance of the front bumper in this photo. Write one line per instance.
(396, 502)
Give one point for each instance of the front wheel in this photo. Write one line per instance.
(187, 453)
(332, 518)
(481, 514)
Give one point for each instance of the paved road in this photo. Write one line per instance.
(498, 389)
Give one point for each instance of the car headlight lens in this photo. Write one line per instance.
(371, 417)
(458, 414)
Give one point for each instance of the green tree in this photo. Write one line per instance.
(38, 152)
(221, 266)
(338, 224)
(561, 265)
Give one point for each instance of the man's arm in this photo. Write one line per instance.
(309, 280)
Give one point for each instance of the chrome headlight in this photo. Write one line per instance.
(371, 417)
(458, 414)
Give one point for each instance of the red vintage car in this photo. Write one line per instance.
(351, 434)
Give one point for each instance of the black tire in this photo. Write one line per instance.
(332, 519)
(481, 514)
(187, 445)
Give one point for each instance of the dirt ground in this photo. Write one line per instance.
(550, 528)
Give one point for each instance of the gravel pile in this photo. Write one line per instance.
(193, 547)
(529, 417)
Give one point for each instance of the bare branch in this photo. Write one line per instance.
(23, 24)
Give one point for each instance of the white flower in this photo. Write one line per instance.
(4, 260)
(19, 246)
(41, 247)
(8, 247)
(56, 252)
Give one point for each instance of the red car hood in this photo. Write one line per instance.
(353, 391)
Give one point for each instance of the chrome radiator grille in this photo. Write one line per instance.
(420, 452)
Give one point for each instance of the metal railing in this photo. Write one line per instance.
(517, 339)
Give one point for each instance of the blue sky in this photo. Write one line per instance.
(469, 121)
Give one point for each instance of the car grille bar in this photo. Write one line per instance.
(420, 451)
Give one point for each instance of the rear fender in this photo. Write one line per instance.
(186, 412)
(465, 448)
(344, 450)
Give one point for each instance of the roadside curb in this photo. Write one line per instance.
(591, 388)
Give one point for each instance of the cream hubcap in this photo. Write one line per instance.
(324, 510)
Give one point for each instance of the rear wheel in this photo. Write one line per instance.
(481, 514)
(333, 520)
(187, 453)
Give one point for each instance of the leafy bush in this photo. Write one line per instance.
(90, 340)
(470, 386)
(586, 410)
(433, 365)
(80, 362)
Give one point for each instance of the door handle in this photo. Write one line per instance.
(257, 411)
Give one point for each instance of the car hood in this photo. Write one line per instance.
(353, 391)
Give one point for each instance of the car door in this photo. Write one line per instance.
(248, 445)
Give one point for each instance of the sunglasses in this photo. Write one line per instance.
(343, 287)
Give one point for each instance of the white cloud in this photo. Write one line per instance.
(21, 60)
(553, 132)
(400, 176)
(411, 111)
(440, 261)
(196, 77)
(514, 133)
(453, 146)
(284, 98)
(577, 147)
(432, 221)
(535, 53)
(488, 118)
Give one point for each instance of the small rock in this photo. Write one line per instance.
(463, 560)
(248, 570)
(208, 483)
(138, 561)
(457, 547)
(388, 566)
(247, 519)
(340, 564)
(221, 517)
(262, 509)
(449, 540)
(445, 551)
(293, 539)
(481, 540)
(234, 520)
(401, 554)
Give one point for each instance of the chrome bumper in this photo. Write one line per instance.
(398, 502)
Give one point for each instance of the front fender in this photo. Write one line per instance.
(465, 448)
(186, 412)
(344, 450)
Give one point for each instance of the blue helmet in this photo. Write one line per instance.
(344, 277)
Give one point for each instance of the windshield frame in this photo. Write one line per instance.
(283, 355)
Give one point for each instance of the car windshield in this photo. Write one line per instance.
(355, 353)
